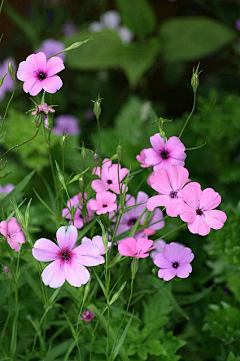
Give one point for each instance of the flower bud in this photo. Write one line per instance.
(134, 267)
(195, 78)
(97, 107)
(11, 71)
(6, 269)
(63, 141)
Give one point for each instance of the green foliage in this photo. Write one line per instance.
(191, 38)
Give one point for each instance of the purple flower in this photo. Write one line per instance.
(174, 261)
(87, 316)
(50, 47)
(7, 188)
(7, 84)
(6, 269)
(38, 73)
(159, 249)
(67, 123)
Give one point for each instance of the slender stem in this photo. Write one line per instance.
(99, 135)
(173, 230)
(190, 115)
(13, 344)
(9, 102)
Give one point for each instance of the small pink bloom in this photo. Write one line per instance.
(159, 248)
(38, 73)
(104, 203)
(111, 177)
(169, 184)
(69, 261)
(174, 261)
(97, 240)
(141, 159)
(77, 203)
(6, 269)
(162, 155)
(87, 316)
(135, 248)
(13, 232)
(199, 210)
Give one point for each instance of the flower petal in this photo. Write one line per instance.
(45, 250)
(161, 261)
(54, 65)
(76, 274)
(52, 84)
(167, 273)
(67, 237)
(178, 176)
(53, 275)
(209, 199)
(184, 270)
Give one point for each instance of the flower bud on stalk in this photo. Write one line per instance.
(63, 141)
(134, 267)
(97, 107)
(11, 71)
(195, 78)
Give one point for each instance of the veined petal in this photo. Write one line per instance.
(53, 275)
(45, 250)
(54, 65)
(52, 84)
(76, 274)
(67, 237)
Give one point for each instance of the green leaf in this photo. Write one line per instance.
(59, 350)
(138, 16)
(1, 80)
(192, 38)
(232, 357)
(120, 343)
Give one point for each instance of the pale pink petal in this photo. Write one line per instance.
(99, 186)
(157, 201)
(41, 62)
(53, 275)
(144, 245)
(185, 255)
(183, 270)
(215, 218)
(77, 222)
(76, 274)
(128, 247)
(178, 176)
(52, 84)
(160, 182)
(15, 230)
(67, 237)
(172, 252)
(122, 173)
(167, 273)
(152, 157)
(13, 244)
(87, 260)
(87, 249)
(160, 246)
(209, 199)
(164, 164)
(174, 144)
(142, 199)
(161, 261)
(172, 206)
(45, 250)
(54, 65)
(157, 142)
(33, 86)
(94, 205)
(199, 226)
(187, 214)
(97, 171)
(191, 196)
(4, 228)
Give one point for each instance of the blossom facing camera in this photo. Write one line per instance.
(173, 261)
(198, 210)
(162, 155)
(104, 203)
(87, 316)
(135, 248)
(38, 73)
(13, 232)
(69, 261)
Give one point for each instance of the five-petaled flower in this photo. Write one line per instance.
(104, 203)
(135, 248)
(38, 73)
(69, 261)
(13, 232)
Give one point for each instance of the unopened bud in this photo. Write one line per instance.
(63, 141)
(97, 107)
(195, 78)
(11, 71)
(119, 150)
(6, 269)
(83, 151)
(134, 267)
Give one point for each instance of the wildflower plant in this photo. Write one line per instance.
(110, 246)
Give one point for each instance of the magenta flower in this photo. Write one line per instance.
(97, 240)
(67, 123)
(135, 248)
(162, 155)
(104, 203)
(43, 109)
(169, 184)
(160, 244)
(50, 47)
(174, 261)
(38, 73)
(69, 261)
(130, 217)
(87, 316)
(77, 203)
(6, 269)
(198, 210)
(7, 84)
(13, 232)
(111, 177)
(141, 159)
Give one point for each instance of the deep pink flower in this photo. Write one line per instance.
(97, 240)
(109, 177)
(51, 46)
(162, 155)
(141, 159)
(13, 232)
(87, 316)
(69, 261)
(77, 203)
(6, 269)
(67, 123)
(174, 261)
(169, 184)
(104, 203)
(198, 210)
(7, 85)
(135, 248)
(38, 73)
(160, 244)
(130, 217)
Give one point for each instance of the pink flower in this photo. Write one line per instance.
(174, 261)
(13, 232)
(43, 109)
(69, 261)
(130, 217)
(198, 210)
(169, 184)
(6, 269)
(160, 244)
(38, 73)
(97, 240)
(109, 177)
(104, 203)
(135, 248)
(77, 203)
(162, 155)
(141, 159)
(87, 316)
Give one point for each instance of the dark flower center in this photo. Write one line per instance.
(131, 222)
(175, 265)
(109, 181)
(164, 154)
(41, 76)
(65, 255)
(173, 194)
(104, 205)
(9, 235)
(199, 212)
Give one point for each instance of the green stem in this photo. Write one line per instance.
(9, 102)
(173, 230)
(190, 115)
(13, 344)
